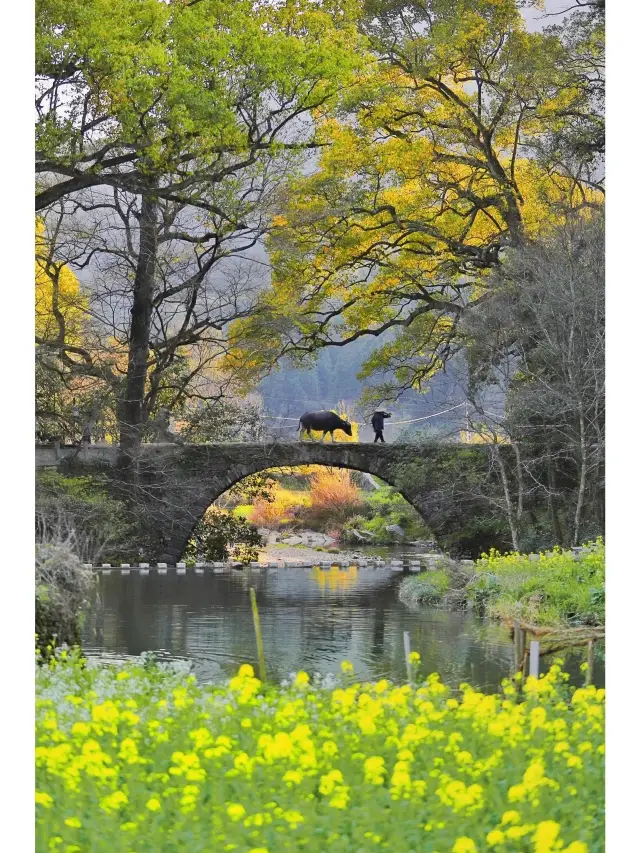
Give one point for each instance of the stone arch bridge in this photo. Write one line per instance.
(174, 484)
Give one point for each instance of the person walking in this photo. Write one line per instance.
(377, 422)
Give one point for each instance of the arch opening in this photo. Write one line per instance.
(313, 508)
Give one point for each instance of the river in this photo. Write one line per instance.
(311, 619)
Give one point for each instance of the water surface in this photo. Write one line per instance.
(311, 619)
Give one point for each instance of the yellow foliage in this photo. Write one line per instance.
(59, 302)
(279, 511)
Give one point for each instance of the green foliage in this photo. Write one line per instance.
(84, 504)
(425, 588)
(555, 589)
(221, 536)
(141, 756)
(62, 587)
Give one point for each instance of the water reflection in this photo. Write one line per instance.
(311, 619)
(335, 578)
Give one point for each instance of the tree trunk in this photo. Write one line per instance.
(553, 509)
(511, 514)
(583, 480)
(132, 415)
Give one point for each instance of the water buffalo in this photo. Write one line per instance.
(324, 422)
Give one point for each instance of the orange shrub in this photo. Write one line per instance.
(334, 495)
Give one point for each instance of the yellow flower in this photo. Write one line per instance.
(43, 799)
(302, 679)
(545, 836)
(154, 804)
(414, 657)
(105, 713)
(464, 844)
(347, 667)
(510, 816)
(246, 671)
(494, 837)
(73, 822)
(292, 777)
(576, 847)
(114, 801)
(236, 811)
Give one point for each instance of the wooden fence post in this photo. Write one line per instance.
(256, 625)
(516, 644)
(590, 660)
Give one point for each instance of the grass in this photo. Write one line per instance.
(555, 589)
(138, 758)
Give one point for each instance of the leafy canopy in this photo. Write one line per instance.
(430, 170)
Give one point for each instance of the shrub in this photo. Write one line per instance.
(62, 590)
(81, 507)
(140, 758)
(221, 535)
(425, 588)
(333, 497)
(283, 508)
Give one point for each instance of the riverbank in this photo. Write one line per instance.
(146, 753)
(311, 547)
(557, 588)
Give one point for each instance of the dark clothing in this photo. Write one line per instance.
(377, 421)
(379, 436)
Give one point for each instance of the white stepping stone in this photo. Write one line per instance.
(162, 565)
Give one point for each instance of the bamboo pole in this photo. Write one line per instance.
(534, 658)
(407, 650)
(256, 626)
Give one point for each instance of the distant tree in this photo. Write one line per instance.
(543, 332)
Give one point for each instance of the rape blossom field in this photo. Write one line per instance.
(142, 759)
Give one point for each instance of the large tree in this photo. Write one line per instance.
(173, 119)
(433, 166)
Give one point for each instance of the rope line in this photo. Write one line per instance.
(394, 423)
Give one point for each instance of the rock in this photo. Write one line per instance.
(395, 529)
(358, 536)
